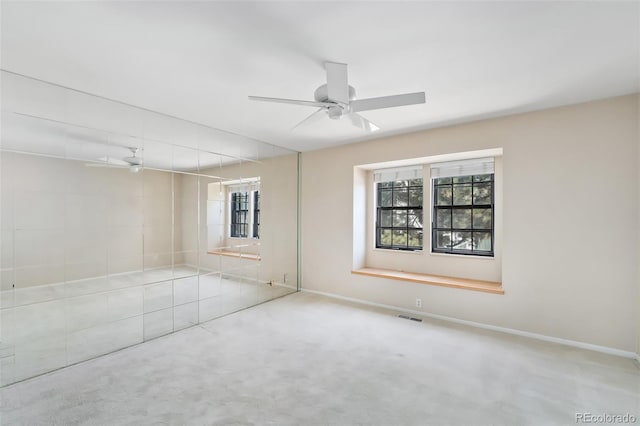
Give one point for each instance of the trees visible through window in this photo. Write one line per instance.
(463, 213)
(399, 215)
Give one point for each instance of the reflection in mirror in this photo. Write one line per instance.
(120, 225)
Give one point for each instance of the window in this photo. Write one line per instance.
(256, 214)
(239, 214)
(399, 214)
(463, 208)
(245, 214)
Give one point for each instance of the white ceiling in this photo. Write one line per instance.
(200, 60)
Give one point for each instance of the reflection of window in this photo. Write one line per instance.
(256, 214)
(245, 214)
(463, 214)
(399, 214)
(239, 214)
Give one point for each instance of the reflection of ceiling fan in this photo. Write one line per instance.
(133, 163)
(337, 99)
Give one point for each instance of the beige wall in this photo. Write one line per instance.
(63, 221)
(569, 226)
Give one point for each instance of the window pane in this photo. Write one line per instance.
(462, 179)
(461, 241)
(385, 237)
(399, 238)
(384, 198)
(399, 218)
(474, 226)
(415, 238)
(400, 197)
(482, 241)
(482, 193)
(443, 218)
(462, 218)
(461, 195)
(443, 239)
(406, 199)
(482, 218)
(414, 219)
(385, 218)
(415, 197)
(443, 195)
(483, 178)
(256, 214)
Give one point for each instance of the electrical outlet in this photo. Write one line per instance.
(418, 303)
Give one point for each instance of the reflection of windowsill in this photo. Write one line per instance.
(248, 256)
(464, 283)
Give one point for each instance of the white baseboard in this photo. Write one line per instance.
(567, 342)
(289, 286)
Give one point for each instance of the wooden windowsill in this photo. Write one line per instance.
(465, 283)
(235, 254)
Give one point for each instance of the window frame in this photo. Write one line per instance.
(249, 214)
(255, 217)
(233, 216)
(434, 216)
(378, 228)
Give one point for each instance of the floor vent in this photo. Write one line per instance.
(409, 318)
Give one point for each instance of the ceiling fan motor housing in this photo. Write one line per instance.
(322, 94)
(335, 112)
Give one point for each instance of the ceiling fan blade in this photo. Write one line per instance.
(361, 122)
(111, 166)
(113, 161)
(337, 84)
(316, 116)
(387, 102)
(291, 101)
(133, 161)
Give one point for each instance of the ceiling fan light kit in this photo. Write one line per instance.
(337, 99)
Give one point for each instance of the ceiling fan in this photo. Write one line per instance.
(337, 99)
(133, 163)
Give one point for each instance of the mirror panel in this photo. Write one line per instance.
(119, 225)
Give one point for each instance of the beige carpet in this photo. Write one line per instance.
(308, 360)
